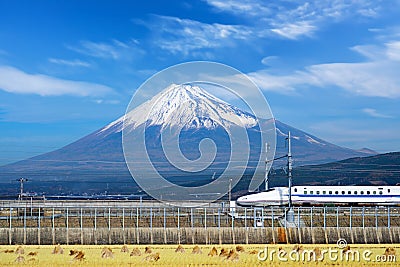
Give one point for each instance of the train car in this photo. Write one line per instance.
(324, 195)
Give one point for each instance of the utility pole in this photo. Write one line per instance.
(21, 187)
(290, 214)
(230, 191)
(289, 165)
(266, 167)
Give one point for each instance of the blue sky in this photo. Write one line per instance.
(67, 68)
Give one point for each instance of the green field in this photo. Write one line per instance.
(289, 255)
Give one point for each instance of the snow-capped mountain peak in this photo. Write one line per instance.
(185, 106)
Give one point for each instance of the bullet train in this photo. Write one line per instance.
(321, 195)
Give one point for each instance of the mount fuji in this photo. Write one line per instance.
(185, 106)
(95, 161)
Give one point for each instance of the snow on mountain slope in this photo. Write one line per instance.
(313, 141)
(184, 106)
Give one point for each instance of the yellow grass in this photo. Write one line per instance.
(168, 256)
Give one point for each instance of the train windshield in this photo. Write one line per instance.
(269, 190)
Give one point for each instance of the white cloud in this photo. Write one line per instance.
(106, 101)
(13, 80)
(93, 49)
(71, 63)
(188, 36)
(295, 19)
(298, 9)
(369, 12)
(267, 61)
(295, 30)
(372, 52)
(389, 50)
(284, 84)
(374, 113)
(378, 76)
(393, 50)
(260, 20)
(250, 8)
(115, 50)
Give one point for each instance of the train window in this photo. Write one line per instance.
(388, 190)
(330, 192)
(355, 192)
(349, 192)
(343, 192)
(305, 192)
(368, 192)
(311, 192)
(374, 192)
(317, 192)
(362, 192)
(324, 192)
(295, 190)
(380, 192)
(336, 192)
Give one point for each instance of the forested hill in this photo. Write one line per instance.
(382, 169)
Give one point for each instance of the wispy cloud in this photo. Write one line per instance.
(101, 50)
(393, 50)
(16, 81)
(297, 10)
(107, 101)
(375, 77)
(291, 19)
(283, 84)
(244, 7)
(185, 36)
(295, 30)
(374, 113)
(115, 49)
(269, 60)
(71, 63)
(390, 50)
(259, 20)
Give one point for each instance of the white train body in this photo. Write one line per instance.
(319, 195)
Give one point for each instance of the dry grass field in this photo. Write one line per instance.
(201, 255)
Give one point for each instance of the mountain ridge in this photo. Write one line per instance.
(99, 155)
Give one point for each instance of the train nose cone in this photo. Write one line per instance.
(242, 201)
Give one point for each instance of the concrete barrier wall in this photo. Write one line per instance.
(225, 235)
